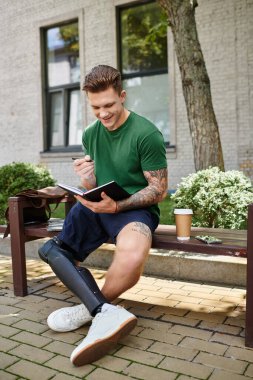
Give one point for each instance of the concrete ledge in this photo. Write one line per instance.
(165, 264)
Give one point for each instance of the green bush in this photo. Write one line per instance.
(218, 199)
(18, 176)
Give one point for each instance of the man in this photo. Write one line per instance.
(127, 148)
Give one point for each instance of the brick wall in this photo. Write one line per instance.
(225, 31)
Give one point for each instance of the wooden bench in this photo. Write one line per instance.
(163, 238)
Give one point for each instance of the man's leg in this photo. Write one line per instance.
(81, 234)
(133, 244)
(132, 248)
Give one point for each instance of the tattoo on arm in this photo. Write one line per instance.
(142, 229)
(155, 191)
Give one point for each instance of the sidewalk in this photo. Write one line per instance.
(186, 330)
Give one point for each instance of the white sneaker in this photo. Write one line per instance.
(69, 318)
(107, 328)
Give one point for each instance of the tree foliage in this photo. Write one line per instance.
(19, 176)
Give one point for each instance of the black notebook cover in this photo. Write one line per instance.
(112, 189)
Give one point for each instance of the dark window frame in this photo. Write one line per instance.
(119, 45)
(66, 89)
(119, 49)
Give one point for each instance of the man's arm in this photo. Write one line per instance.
(155, 192)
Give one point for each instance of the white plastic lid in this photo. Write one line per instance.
(183, 211)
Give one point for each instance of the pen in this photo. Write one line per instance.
(77, 158)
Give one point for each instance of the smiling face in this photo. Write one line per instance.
(108, 107)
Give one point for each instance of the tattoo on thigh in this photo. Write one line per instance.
(142, 229)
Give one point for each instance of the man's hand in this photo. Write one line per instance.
(84, 168)
(106, 205)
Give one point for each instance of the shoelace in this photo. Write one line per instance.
(76, 314)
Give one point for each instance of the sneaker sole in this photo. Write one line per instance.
(100, 347)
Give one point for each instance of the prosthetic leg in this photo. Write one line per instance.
(77, 279)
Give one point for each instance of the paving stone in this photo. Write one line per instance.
(225, 375)
(141, 371)
(171, 310)
(70, 337)
(8, 301)
(191, 332)
(34, 327)
(62, 376)
(219, 327)
(133, 297)
(180, 320)
(103, 374)
(34, 354)
(61, 348)
(210, 317)
(9, 310)
(112, 363)
(63, 364)
(57, 296)
(6, 360)
(249, 371)
(30, 338)
(186, 368)
(7, 331)
(221, 362)
(145, 313)
(228, 339)
(206, 295)
(174, 291)
(7, 344)
(152, 293)
(173, 351)
(127, 304)
(161, 336)
(136, 342)
(33, 316)
(202, 345)
(199, 308)
(147, 286)
(31, 371)
(240, 353)
(235, 322)
(143, 357)
(7, 376)
(185, 298)
(161, 301)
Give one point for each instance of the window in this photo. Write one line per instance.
(63, 103)
(143, 62)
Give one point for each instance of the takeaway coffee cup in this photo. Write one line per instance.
(183, 218)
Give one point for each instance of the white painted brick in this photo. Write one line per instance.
(225, 31)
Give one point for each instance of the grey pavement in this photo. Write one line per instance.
(186, 330)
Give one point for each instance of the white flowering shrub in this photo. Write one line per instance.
(218, 199)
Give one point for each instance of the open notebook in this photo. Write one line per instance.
(112, 189)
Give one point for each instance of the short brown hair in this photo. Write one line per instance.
(101, 77)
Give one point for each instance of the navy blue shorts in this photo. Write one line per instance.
(84, 231)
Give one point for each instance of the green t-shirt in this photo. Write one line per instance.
(123, 154)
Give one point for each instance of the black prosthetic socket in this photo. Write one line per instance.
(79, 280)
